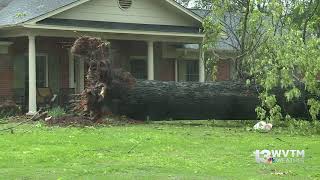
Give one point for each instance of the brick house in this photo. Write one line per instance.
(153, 39)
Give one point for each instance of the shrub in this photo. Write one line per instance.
(8, 109)
(303, 127)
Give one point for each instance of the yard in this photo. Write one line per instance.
(161, 150)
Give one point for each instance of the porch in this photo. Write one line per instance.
(35, 62)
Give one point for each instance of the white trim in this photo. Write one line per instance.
(138, 58)
(187, 50)
(119, 31)
(54, 12)
(5, 43)
(183, 9)
(32, 107)
(150, 60)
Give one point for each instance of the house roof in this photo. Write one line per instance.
(14, 12)
(19, 11)
(4, 3)
(200, 12)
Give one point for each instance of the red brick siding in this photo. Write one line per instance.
(55, 50)
(6, 76)
(223, 71)
(167, 70)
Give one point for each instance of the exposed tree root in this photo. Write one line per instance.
(103, 82)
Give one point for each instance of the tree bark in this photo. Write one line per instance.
(158, 100)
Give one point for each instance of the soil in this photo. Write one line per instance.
(70, 120)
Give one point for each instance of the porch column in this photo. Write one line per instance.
(71, 70)
(150, 61)
(201, 65)
(32, 76)
(81, 73)
(176, 78)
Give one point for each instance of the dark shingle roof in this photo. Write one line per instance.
(19, 11)
(4, 3)
(200, 12)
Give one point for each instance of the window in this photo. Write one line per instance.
(125, 4)
(138, 68)
(42, 71)
(192, 71)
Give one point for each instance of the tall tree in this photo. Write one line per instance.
(276, 43)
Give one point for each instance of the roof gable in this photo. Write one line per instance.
(141, 12)
(22, 11)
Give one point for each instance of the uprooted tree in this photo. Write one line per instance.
(109, 90)
(103, 82)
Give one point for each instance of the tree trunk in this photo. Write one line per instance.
(157, 100)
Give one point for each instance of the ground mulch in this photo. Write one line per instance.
(71, 120)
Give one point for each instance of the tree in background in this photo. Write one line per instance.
(184, 3)
(197, 4)
(276, 45)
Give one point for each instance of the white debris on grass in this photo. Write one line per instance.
(262, 126)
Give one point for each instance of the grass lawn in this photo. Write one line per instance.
(163, 150)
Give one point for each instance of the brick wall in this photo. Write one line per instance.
(6, 76)
(64, 70)
(166, 70)
(223, 73)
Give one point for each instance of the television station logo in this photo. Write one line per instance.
(279, 156)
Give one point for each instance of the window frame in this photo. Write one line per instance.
(139, 58)
(46, 66)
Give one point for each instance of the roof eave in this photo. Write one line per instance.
(185, 10)
(56, 11)
(119, 31)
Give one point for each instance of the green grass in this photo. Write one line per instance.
(189, 150)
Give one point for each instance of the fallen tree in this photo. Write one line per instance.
(114, 91)
(187, 100)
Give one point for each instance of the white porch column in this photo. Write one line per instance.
(71, 70)
(32, 76)
(150, 61)
(81, 74)
(201, 65)
(176, 71)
